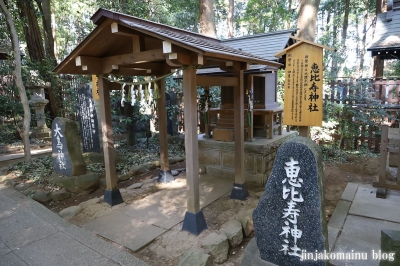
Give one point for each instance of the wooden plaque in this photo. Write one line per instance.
(303, 86)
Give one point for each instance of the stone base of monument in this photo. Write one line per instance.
(43, 133)
(165, 176)
(194, 223)
(112, 197)
(239, 191)
(390, 248)
(218, 157)
(252, 257)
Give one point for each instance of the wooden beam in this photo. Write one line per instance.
(167, 47)
(121, 30)
(90, 37)
(138, 43)
(231, 66)
(191, 145)
(184, 59)
(88, 63)
(162, 126)
(239, 127)
(204, 81)
(107, 134)
(135, 72)
(134, 58)
(145, 66)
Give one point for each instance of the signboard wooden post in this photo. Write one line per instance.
(95, 88)
(303, 84)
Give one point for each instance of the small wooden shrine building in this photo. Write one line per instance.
(128, 46)
(262, 111)
(386, 42)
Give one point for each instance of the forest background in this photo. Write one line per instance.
(48, 30)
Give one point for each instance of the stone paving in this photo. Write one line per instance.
(356, 224)
(136, 225)
(30, 234)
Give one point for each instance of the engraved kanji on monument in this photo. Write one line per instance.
(88, 120)
(290, 217)
(66, 150)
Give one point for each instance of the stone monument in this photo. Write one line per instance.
(88, 120)
(289, 221)
(66, 149)
(38, 102)
(390, 248)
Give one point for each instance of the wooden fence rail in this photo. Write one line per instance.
(384, 184)
(366, 95)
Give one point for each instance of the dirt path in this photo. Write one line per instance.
(167, 248)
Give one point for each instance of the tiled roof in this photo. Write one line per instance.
(264, 45)
(387, 32)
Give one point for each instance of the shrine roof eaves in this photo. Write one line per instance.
(191, 42)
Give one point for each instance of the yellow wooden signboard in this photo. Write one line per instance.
(95, 87)
(303, 85)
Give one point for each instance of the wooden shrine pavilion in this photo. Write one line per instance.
(128, 46)
(386, 42)
(386, 45)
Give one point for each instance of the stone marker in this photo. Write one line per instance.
(88, 120)
(390, 248)
(290, 217)
(66, 151)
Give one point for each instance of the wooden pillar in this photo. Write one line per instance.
(304, 131)
(250, 88)
(239, 190)
(112, 195)
(207, 125)
(194, 221)
(165, 175)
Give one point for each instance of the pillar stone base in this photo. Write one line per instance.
(239, 191)
(112, 197)
(194, 223)
(165, 176)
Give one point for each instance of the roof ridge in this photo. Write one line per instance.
(103, 13)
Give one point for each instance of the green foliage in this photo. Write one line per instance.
(392, 68)
(38, 171)
(9, 135)
(267, 15)
(354, 116)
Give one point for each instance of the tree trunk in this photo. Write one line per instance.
(231, 15)
(344, 30)
(289, 19)
(207, 25)
(20, 84)
(31, 29)
(34, 40)
(308, 11)
(364, 36)
(378, 64)
(45, 9)
(307, 20)
(345, 22)
(334, 67)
